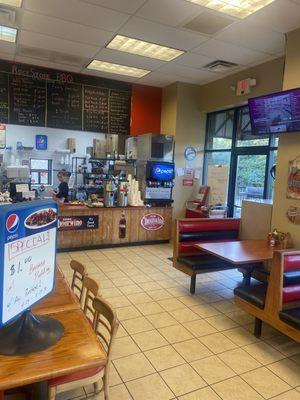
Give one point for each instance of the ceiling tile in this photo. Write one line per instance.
(219, 50)
(47, 64)
(45, 42)
(128, 59)
(187, 72)
(7, 48)
(64, 29)
(253, 36)
(126, 6)
(169, 12)
(193, 60)
(140, 28)
(77, 11)
(102, 74)
(157, 79)
(281, 16)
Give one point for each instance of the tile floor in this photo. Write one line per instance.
(172, 345)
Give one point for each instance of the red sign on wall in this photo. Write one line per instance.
(152, 222)
(188, 182)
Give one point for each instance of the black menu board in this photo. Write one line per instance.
(95, 109)
(64, 105)
(119, 112)
(27, 101)
(3, 98)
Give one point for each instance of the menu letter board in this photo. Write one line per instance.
(27, 98)
(95, 109)
(119, 112)
(3, 98)
(27, 261)
(64, 105)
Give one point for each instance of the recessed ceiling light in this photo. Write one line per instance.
(8, 34)
(13, 3)
(117, 69)
(236, 8)
(141, 48)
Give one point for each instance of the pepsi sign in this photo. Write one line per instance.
(12, 223)
(162, 171)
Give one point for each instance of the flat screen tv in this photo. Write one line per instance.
(275, 113)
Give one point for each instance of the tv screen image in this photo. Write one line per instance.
(275, 113)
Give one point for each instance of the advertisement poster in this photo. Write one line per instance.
(188, 182)
(152, 222)
(28, 251)
(217, 180)
(78, 223)
(41, 142)
(2, 136)
(293, 187)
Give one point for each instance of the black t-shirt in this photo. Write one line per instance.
(63, 191)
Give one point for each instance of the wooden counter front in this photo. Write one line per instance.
(107, 232)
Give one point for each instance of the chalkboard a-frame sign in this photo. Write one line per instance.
(27, 275)
(37, 96)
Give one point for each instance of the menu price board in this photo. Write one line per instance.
(28, 249)
(78, 223)
(3, 98)
(64, 105)
(95, 109)
(119, 112)
(27, 101)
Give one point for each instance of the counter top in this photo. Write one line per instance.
(68, 207)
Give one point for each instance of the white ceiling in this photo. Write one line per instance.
(68, 34)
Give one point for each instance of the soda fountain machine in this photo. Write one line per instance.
(155, 168)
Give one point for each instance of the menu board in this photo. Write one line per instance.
(3, 98)
(64, 105)
(95, 109)
(28, 248)
(27, 101)
(119, 112)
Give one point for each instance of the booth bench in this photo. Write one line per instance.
(191, 231)
(278, 301)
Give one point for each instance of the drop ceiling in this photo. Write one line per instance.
(69, 34)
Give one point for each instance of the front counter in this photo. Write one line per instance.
(81, 227)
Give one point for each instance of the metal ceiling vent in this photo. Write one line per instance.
(220, 66)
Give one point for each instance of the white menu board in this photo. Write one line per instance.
(28, 271)
(217, 179)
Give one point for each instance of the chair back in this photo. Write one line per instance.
(91, 290)
(105, 325)
(79, 272)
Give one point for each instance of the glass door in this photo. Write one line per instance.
(250, 179)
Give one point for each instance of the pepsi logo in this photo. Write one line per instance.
(12, 223)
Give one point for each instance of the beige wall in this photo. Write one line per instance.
(289, 145)
(181, 117)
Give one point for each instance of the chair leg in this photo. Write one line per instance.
(52, 393)
(97, 387)
(257, 328)
(193, 284)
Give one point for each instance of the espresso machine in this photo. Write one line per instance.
(155, 168)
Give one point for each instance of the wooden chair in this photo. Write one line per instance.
(278, 302)
(90, 291)
(105, 325)
(79, 272)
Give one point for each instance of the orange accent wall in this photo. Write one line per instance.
(145, 109)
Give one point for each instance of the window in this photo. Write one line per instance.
(230, 142)
(41, 171)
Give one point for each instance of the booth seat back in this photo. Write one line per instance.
(291, 278)
(192, 231)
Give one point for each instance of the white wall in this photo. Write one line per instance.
(57, 138)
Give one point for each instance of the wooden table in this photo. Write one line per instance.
(60, 300)
(240, 252)
(79, 348)
(244, 253)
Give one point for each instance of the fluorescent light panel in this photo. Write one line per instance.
(117, 69)
(235, 8)
(141, 48)
(8, 34)
(13, 3)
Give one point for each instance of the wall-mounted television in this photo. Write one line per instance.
(275, 113)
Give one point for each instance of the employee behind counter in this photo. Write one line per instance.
(62, 195)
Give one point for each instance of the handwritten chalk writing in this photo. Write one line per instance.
(27, 244)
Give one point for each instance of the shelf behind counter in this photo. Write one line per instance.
(82, 227)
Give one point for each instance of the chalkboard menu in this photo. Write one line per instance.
(27, 101)
(119, 112)
(95, 109)
(3, 98)
(64, 105)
